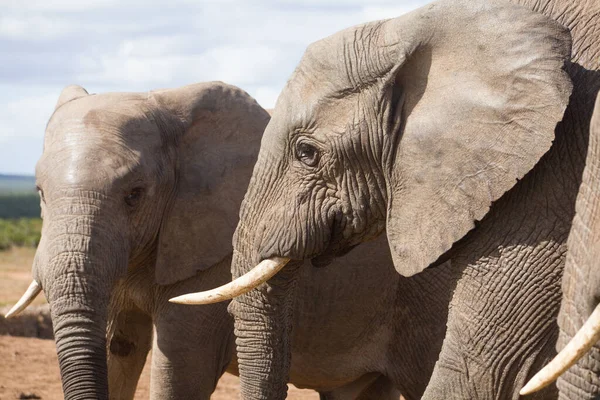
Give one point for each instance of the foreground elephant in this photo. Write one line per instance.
(139, 195)
(423, 125)
(579, 316)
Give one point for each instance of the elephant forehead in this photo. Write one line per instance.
(314, 99)
(90, 164)
(103, 111)
(114, 120)
(95, 143)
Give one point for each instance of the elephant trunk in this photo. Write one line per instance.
(263, 326)
(81, 348)
(83, 264)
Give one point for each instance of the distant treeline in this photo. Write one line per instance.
(20, 223)
(20, 232)
(19, 205)
(17, 183)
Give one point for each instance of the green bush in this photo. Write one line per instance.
(19, 205)
(20, 232)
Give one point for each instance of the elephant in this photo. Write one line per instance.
(140, 195)
(459, 129)
(579, 313)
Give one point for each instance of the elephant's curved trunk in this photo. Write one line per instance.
(577, 347)
(263, 324)
(79, 264)
(81, 349)
(264, 271)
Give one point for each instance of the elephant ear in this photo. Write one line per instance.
(475, 94)
(222, 128)
(69, 93)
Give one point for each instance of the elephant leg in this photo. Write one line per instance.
(129, 345)
(368, 387)
(192, 349)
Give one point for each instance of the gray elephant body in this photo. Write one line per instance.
(379, 126)
(147, 237)
(191, 346)
(349, 344)
(364, 332)
(139, 195)
(516, 255)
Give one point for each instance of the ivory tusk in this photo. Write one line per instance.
(583, 340)
(264, 271)
(32, 292)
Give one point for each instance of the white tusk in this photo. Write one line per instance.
(245, 283)
(583, 340)
(32, 292)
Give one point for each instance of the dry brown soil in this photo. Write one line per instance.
(28, 366)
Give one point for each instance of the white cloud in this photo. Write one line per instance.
(35, 28)
(379, 12)
(23, 117)
(266, 96)
(26, 115)
(139, 45)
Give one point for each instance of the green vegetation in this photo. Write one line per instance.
(18, 197)
(20, 232)
(20, 224)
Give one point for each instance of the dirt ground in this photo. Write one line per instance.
(29, 367)
(15, 275)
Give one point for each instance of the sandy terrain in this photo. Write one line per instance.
(28, 366)
(15, 275)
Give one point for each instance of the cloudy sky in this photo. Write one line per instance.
(139, 45)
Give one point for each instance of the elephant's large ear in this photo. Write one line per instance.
(223, 126)
(69, 93)
(475, 95)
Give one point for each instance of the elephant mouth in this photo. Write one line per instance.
(268, 268)
(264, 271)
(336, 246)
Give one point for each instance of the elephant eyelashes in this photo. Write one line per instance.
(133, 198)
(307, 154)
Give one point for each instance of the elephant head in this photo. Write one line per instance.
(129, 181)
(579, 316)
(413, 125)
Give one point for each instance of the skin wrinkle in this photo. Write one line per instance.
(492, 310)
(477, 258)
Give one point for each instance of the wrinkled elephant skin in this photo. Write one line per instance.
(459, 130)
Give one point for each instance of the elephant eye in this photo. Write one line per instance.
(134, 196)
(308, 154)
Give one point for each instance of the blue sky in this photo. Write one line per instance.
(140, 45)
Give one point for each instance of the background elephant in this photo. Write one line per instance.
(427, 126)
(139, 196)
